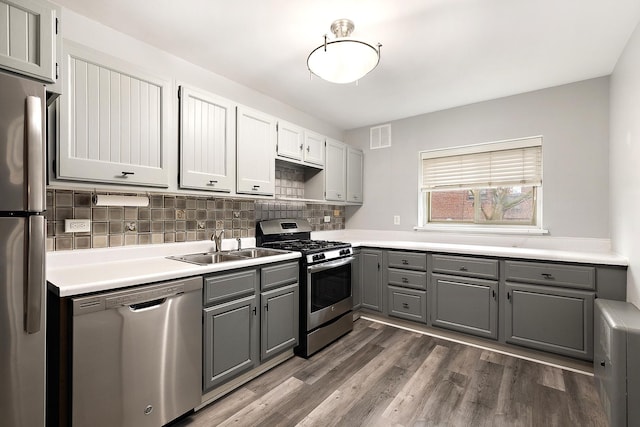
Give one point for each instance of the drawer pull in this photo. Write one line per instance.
(602, 363)
(405, 305)
(463, 268)
(405, 262)
(548, 276)
(493, 294)
(405, 280)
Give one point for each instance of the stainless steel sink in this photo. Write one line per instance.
(216, 257)
(257, 252)
(208, 258)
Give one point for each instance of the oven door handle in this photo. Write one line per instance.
(331, 264)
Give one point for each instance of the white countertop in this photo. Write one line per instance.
(93, 270)
(78, 272)
(545, 248)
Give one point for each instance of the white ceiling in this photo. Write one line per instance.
(436, 54)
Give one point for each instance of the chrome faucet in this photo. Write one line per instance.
(239, 243)
(217, 238)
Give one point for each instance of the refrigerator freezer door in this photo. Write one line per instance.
(22, 145)
(22, 355)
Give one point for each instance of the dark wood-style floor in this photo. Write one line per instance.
(379, 375)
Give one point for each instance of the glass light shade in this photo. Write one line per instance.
(344, 60)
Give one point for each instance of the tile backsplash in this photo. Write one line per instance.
(174, 218)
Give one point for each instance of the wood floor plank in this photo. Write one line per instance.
(257, 410)
(346, 396)
(404, 406)
(379, 376)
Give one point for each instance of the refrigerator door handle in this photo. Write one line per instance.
(35, 154)
(34, 282)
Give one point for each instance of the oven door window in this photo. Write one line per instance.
(330, 286)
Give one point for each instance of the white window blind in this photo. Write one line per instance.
(500, 164)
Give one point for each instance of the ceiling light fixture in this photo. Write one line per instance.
(344, 59)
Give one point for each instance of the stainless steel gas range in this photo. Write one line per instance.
(325, 281)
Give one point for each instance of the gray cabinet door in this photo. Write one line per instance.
(279, 326)
(207, 141)
(256, 152)
(28, 38)
(356, 280)
(371, 261)
(465, 305)
(551, 319)
(335, 170)
(230, 337)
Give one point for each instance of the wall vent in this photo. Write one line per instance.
(380, 137)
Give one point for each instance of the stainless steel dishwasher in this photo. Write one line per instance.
(137, 355)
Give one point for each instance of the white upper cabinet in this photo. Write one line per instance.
(335, 171)
(207, 141)
(314, 148)
(28, 38)
(290, 140)
(354, 175)
(113, 121)
(255, 150)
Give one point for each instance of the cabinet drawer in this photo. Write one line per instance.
(279, 275)
(569, 276)
(408, 260)
(466, 266)
(406, 278)
(229, 286)
(408, 304)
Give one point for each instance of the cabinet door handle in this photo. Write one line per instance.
(548, 276)
(255, 311)
(602, 363)
(301, 146)
(255, 187)
(308, 149)
(405, 262)
(509, 296)
(405, 305)
(212, 182)
(493, 294)
(405, 280)
(463, 268)
(125, 174)
(266, 306)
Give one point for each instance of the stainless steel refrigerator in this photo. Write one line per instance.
(22, 252)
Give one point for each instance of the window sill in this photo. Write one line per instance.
(478, 229)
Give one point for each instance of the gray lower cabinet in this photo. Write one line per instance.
(237, 335)
(465, 304)
(230, 340)
(371, 261)
(356, 282)
(279, 320)
(552, 319)
(410, 304)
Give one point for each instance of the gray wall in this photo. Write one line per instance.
(574, 120)
(625, 162)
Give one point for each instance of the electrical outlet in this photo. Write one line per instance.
(327, 218)
(77, 225)
(396, 220)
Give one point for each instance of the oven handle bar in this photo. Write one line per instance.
(331, 264)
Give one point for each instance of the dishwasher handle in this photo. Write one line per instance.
(147, 305)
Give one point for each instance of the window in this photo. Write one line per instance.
(495, 186)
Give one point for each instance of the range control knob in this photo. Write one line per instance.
(344, 252)
(318, 257)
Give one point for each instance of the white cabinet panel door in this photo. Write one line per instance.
(314, 148)
(113, 121)
(27, 38)
(207, 141)
(335, 171)
(354, 175)
(290, 140)
(256, 135)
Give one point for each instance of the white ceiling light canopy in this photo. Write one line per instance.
(343, 59)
